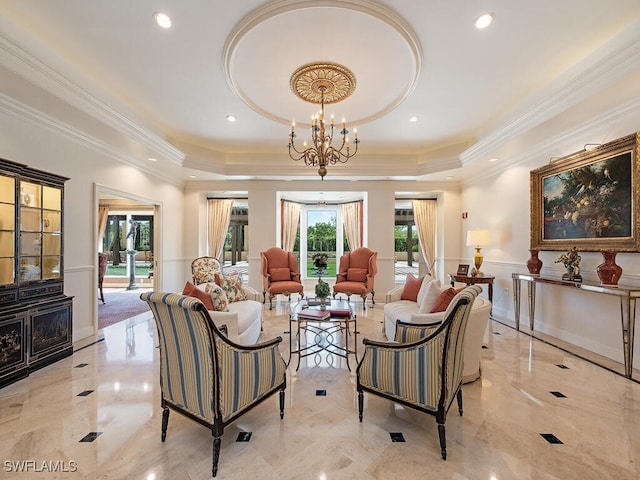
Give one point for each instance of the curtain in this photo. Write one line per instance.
(352, 219)
(218, 224)
(424, 213)
(289, 224)
(103, 217)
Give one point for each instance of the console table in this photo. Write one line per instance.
(626, 294)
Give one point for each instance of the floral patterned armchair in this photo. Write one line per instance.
(204, 269)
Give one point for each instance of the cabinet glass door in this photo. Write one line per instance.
(40, 232)
(7, 230)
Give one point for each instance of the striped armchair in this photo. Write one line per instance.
(205, 376)
(423, 370)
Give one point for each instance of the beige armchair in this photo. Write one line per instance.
(280, 274)
(423, 370)
(205, 376)
(356, 274)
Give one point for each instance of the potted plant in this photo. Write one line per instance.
(322, 291)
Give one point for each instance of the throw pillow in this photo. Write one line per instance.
(232, 286)
(191, 290)
(357, 274)
(280, 274)
(426, 281)
(429, 296)
(411, 288)
(445, 299)
(218, 297)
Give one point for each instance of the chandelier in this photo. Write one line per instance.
(323, 83)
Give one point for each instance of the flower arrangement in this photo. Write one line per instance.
(322, 289)
(571, 261)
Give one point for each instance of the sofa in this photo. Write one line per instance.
(243, 319)
(409, 311)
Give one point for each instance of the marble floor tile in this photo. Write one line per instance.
(499, 437)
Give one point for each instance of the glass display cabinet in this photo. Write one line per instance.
(35, 315)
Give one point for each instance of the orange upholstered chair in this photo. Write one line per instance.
(356, 273)
(280, 273)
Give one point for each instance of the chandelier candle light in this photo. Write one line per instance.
(323, 83)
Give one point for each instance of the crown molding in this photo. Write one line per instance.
(600, 123)
(40, 74)
(585, 78)
(39, 119)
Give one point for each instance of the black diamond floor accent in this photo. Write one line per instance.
(396, 437)
(244, 437)
(558, 394)
(321, 393)
(91, 436)
(84, 393)
(551, 438)
(484, 347)
(497, 333)
(81, 365)
(564, 367)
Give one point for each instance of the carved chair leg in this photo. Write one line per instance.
(360, 404)
(165, 422)
(443, 440)
(373, 299)
(216, 456)
(271, 301)
(364, 301)
(459, 397)
(281, 404)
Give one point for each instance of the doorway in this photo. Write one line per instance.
(129, 237)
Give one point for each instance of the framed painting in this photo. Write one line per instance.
(588, 200)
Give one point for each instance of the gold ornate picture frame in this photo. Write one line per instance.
(588, 200)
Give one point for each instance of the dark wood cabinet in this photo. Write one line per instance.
(36, 318)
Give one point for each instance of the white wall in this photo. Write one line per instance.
(500, 201)
(26, 143)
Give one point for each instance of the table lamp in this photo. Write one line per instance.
(476, 239)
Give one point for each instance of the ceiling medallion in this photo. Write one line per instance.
(312, 80)
(323, 83)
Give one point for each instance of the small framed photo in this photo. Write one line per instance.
(463, 269)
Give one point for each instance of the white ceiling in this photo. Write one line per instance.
(103, 68)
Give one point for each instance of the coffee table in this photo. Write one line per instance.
(326, 334)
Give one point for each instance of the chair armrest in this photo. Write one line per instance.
(426, 317)
(410, 332)
(252, 293)
(394, 294)
(261, 368)
(229, 319)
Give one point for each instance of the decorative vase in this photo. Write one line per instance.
(323, 303)
(609, 271)
(534, 264)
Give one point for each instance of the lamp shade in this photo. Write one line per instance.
(477, 238)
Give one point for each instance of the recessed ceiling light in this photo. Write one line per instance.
(414, 119)
(449, 177)
(192, 176)
(162, 19)
(484, 21)
(494, 159)
(231, 118)
(151, 159)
